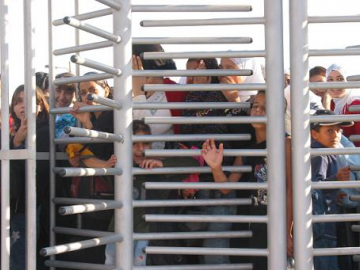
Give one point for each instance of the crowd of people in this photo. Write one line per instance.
(101, 155)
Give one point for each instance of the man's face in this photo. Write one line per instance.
(328, 136)
(64, 96)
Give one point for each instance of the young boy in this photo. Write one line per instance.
(326, 168)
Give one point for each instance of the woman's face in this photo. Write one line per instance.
(318, 78)
(91, 88)
(227, 63)
(139, 149)
(336, 76)
(191, 65)
(19, 105)
(258, 109)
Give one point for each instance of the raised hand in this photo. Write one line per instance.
(212, 156)
(343, 174)
(138, 82)
(83, 117)
(151, 163)
(20, 135)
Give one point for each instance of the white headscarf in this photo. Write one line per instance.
(349, 96)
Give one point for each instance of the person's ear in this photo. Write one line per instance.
(314, 134)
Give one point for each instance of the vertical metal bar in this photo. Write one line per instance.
(5, 164)
(77, 38)
(30, 183)
(52, 148)
(301, 174)
(275, 130)
(123, 120)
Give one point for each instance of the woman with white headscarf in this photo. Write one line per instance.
(343, 99)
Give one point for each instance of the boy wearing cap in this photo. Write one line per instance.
(326, 168)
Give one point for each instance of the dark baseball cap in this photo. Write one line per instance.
(330, 113)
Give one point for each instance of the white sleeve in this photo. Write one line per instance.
(140, 114)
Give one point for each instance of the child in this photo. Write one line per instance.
(326, 168)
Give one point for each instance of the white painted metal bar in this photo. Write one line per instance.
(191, 153)
(333, 19)
(87, 208)
(192, 235)
(110, 3)
(335, 184)
(80, 245)
(207, 251)
(202, 22)
(187, 170)
(78, 265)
(91, 29)
(232, 266)
(225, 185)
(86, 16)
(79, 201)
(191, 8)
(184, 73)
(336, 218)
(5, 131)
(70, 172)
(335, 52)
(206, 120)
(190, 105)
(301, 171)
(82, 132)
(81, 232)
(79, 140)
(355, 228)
(202, 55)
(336, 251)
(30, 96)
(104, 101)
(192, 40)
(204, 87)
(82, 48)
(354, 108)
(86, 78)
(183, 203)
(191, 137)
(13, 154)
(353, 47)
(353, 78)
(334, 118)
(334, 151)
(95, 65)
(355, 168)
(206, 218)
(90, 108)
(334, 85)
(355, 198)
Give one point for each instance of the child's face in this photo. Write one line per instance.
(258, 109)
(139, 149)
(91, 88)
(19, 105)
(328, 136)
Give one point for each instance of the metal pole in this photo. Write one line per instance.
(77, 37)
(30, 183)
(301, 174)
(123, 119)
(5, 163)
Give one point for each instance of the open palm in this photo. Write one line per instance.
(211, 154)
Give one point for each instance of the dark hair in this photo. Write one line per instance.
(42, 80)
(210, 63)
(40, 100)
(139, 125)
(69, 86)
(103, 83)
(167, 64)
(318, 70)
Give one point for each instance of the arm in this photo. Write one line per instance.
(20, 135)
(289, 212)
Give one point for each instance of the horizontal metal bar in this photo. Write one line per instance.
(334, 118)
(191, 8)
(83, 48)
(207, 120)
(91, 29)
(334, 85)
(206, 218)
(80, 245)
(104, 101)
(86, 78)
(95, 65)
(71, 172)
(192, 40)
(355, 168)
(333, 19)
(82, 132)
(354, 108)
(335, 151)
(14, 154)
(190, 105)
(202, 22)
(233, 266)
(87, 208)
(353, 47)
(204, 185)
(202, 55)
(78, 265)
(204, 87)
(86, 16)
(353, 78)
(336, 218)
(192, 153)
(190, 137)
(110, 3)
(185, 73)
(188, 170)
(70, 201)
(336, 251)
(90, 108)
(192, 235)
(355, 228)
(335, 184)
(334, 52)
(354, 198)
(197, 202)
(207, 251)
(79, 140)
(81, 232)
